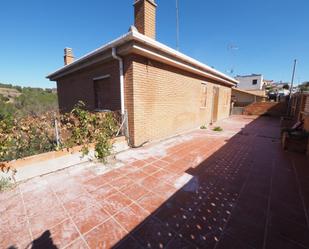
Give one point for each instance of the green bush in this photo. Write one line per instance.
(5, 184)
(218, 128)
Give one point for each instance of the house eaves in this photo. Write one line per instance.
(133, 35)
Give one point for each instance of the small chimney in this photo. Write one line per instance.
(68, 56)
(145, 17)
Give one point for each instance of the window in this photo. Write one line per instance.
(254, 82)
(203, 95)
(102, 93)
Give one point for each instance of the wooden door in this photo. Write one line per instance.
(102, 94)
(215, 104)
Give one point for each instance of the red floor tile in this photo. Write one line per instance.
(150, 169)
(130, 217)
(165, 190)
(59, 236)
(80, 203)
(135, 191)
(41, 204)
(47, 220)
(137, 176)
(160, 164)
(4, 196)
(115, 203)
(75, 191)
(164, 175)
(105, 236)
(138, 164)
(150, 159)
(151, 202)
(102, 193)
(153, 234)
(121, 183)
(89, 218)
(78, 244)
(12, 210)
(143, 199)
(14, 234)
(150, 182)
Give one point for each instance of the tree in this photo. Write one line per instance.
(286, 86)
(304, 86)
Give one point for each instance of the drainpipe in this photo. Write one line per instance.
(115, 56)
(124, 123)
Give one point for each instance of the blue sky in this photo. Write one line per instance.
(269, 34)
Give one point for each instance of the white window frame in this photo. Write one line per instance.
(102, 77)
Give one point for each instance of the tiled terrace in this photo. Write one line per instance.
(233, 189)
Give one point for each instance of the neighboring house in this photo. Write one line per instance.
(159, 91)
(251, 82)
(242, 98)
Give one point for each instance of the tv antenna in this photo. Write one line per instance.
(232, 48)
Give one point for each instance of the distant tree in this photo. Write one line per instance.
(286, 86)
(304, 86)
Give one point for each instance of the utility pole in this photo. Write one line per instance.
(291, 87)
(293, 77)
(177, 25)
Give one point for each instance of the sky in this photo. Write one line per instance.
(248, 36)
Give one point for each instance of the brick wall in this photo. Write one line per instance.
(245, 99)
(129, 100)
(167, 101)
(145, 18)
(160, 100)
(271, 108)
(79, 86)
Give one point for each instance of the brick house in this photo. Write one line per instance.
(160, 92)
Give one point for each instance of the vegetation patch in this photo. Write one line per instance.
(218, 128)
(24, 101)
(203, 127)
(5, 184)
(31, 135)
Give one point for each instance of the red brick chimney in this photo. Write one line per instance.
(68, 56)
(145, 17)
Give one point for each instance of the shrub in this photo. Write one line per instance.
(5, 184)
(203, 127)
(22, 137)
(103, 147)
(218, 128)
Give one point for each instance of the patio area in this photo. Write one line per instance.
(204, 189)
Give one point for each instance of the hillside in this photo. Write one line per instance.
(23, 101)
(9, 93)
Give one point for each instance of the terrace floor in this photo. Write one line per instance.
(203, 189)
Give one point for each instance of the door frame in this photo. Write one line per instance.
(215, 104)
